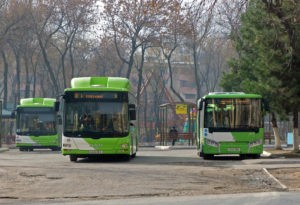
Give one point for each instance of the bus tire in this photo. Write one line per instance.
(133, 155)
(207, 156)
(200, 154)
(126, 157)
(56, 149)
(255, 156)
(73, 158)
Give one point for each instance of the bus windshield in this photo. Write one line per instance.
(228, 114)
(96, 119)
(36, 121)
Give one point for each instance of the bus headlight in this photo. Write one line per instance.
(255, 143)
(211, 143)
(124, 146)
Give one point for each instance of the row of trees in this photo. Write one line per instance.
(42, 43)
(46, 43)
(268, 58)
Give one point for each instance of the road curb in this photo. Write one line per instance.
(3, 149)
(162, 147)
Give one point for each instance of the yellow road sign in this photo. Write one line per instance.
(181, 109)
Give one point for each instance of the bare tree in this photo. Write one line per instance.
(11, 16)
(5, 78)
(18, 42)
(171, 36)
(199, 19)
(105, 58)
(7, 19)
(47, 20)
(139, 65)
(214, 62)
(78, 18)
(131, 23)
(229, 17)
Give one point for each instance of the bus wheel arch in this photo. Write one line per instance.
(207, 156)
(126, 157)
(133, 155)
(73, 158)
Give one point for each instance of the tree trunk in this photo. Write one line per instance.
(276, 133)
(138, 96)
(18, 79)
(63, 68)
(5, 80)
(27, 83)
(72, 63)
(171, 80)
(146, 132)
(130, 64)
(34, 67)
(295, 132)
(197, 80)
(49, 68)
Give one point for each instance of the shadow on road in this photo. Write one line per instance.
(219, 161)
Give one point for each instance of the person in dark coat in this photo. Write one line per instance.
(173, 134)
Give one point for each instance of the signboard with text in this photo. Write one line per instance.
(181, 109)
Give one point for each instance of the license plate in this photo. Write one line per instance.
(95, 152)
(233, 149)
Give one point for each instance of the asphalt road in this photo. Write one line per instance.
(274, 198)
(155, 176)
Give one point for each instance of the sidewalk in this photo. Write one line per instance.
(6, 147)
(285, 152)
(3, 149)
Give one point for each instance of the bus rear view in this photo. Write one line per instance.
(230, 123)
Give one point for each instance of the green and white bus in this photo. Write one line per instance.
(36, 125)
(230, 123)
(98, 118)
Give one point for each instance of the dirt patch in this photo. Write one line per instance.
(283, 153)
(290, 177)
(111, 182)
(165, 173)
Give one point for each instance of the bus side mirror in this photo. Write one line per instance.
(59, 120)
(132, 112)
(56, 106)
(200, 104)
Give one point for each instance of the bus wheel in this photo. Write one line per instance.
(73, 158)
(207, 156)
(21, 149)
(243, 156)
(199, 154)
(126, 157)
(255, 156)
(133, 155)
